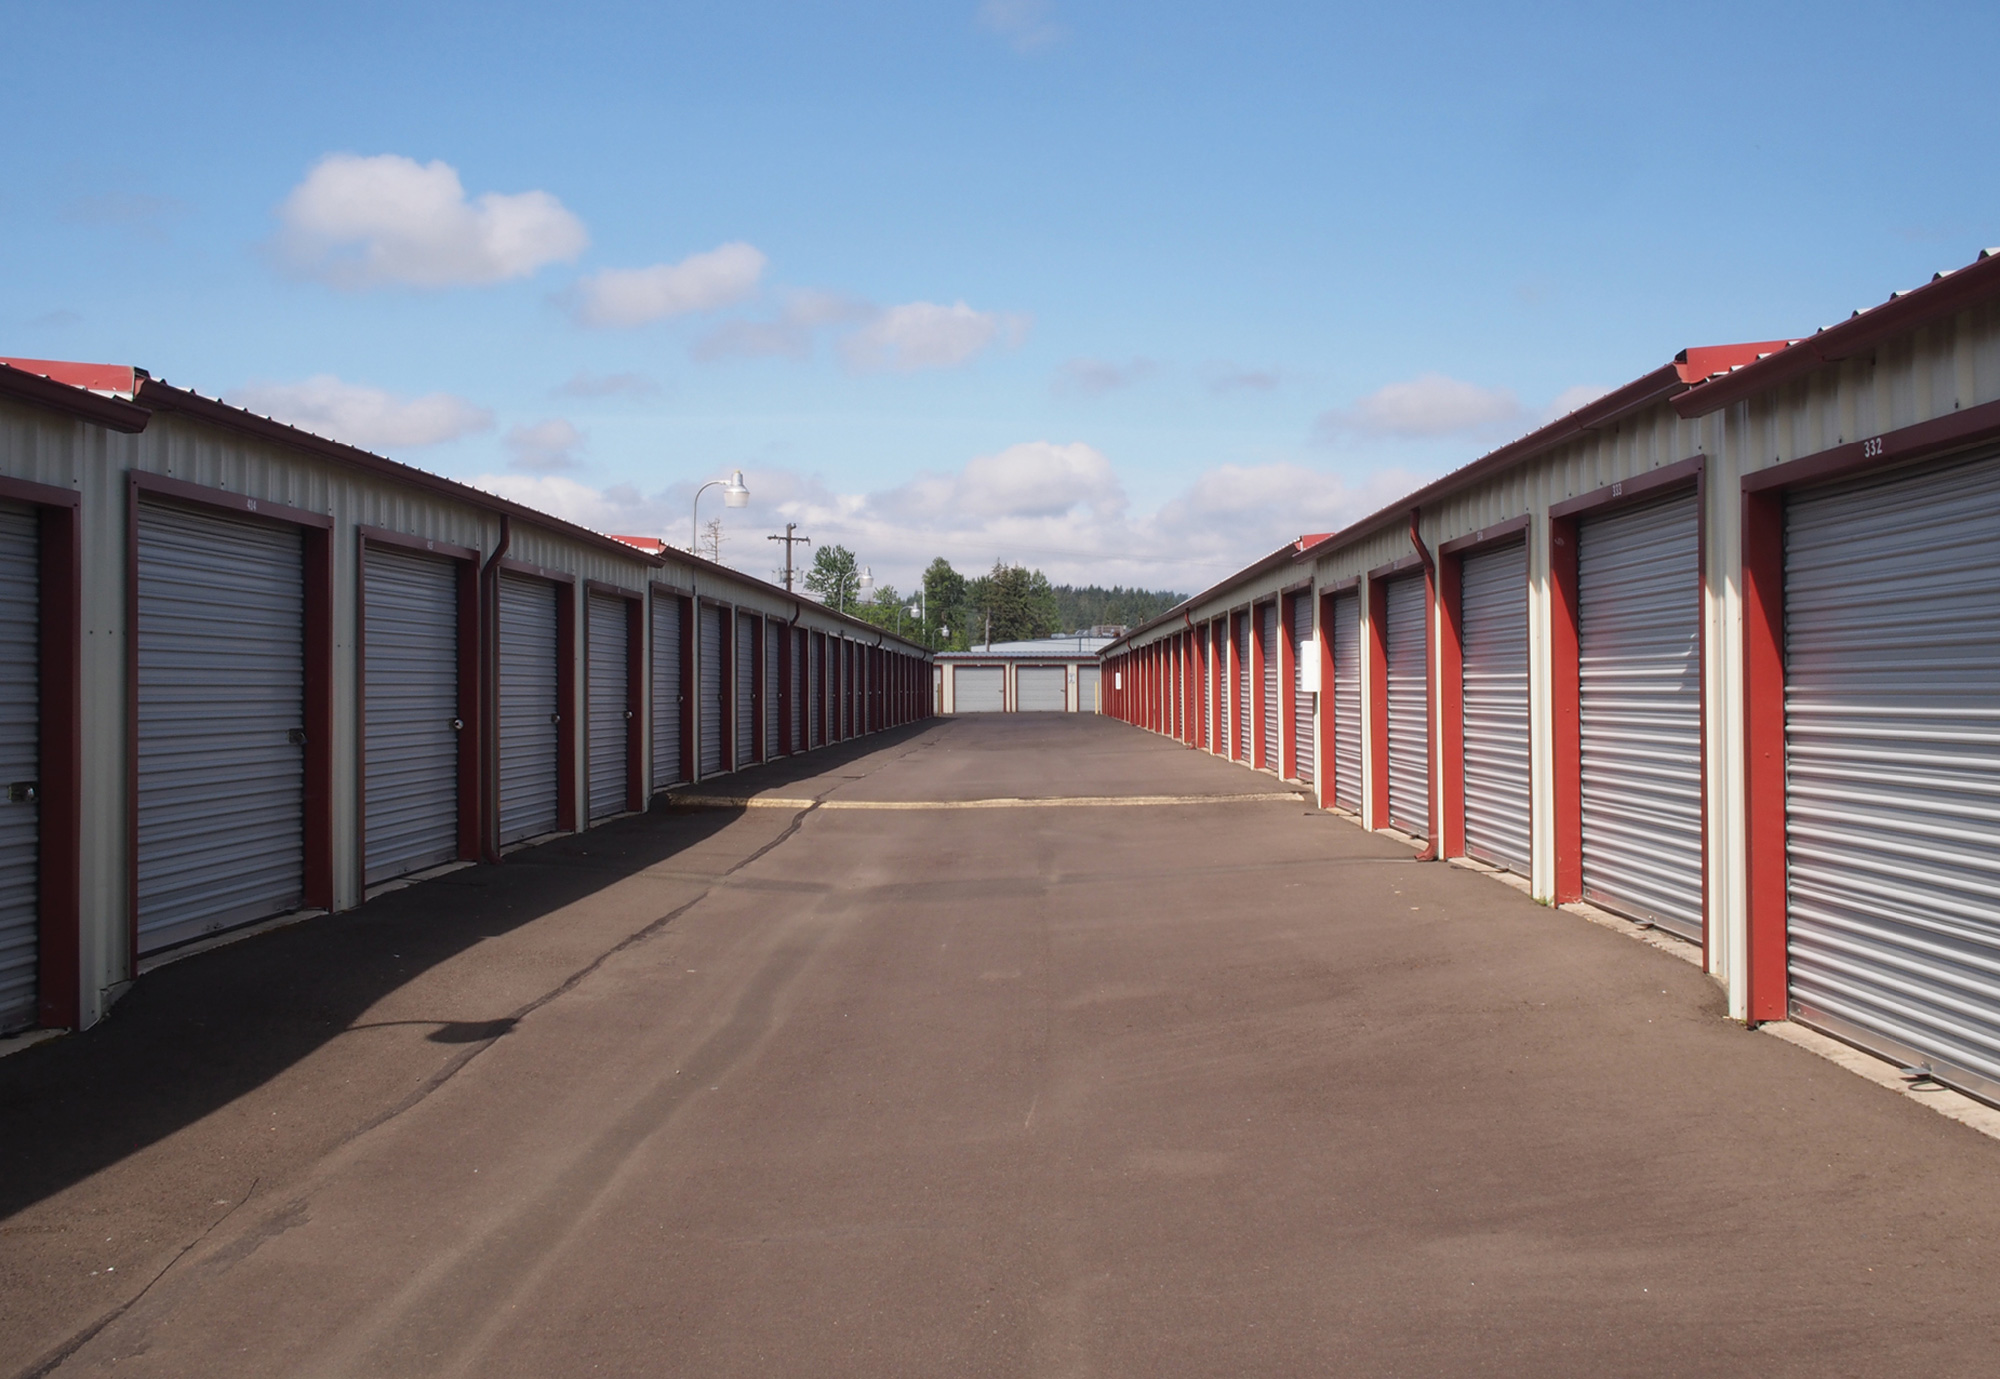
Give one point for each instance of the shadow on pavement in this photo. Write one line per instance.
(195, 1035)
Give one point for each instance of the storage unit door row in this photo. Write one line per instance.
(1892, 765)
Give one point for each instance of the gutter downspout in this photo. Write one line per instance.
(1431, 734)
(489, 695)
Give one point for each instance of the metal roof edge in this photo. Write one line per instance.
(1285, 554)
(1946, 294)
(155, 396)
(41, 391)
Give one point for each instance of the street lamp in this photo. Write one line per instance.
(734, 495)
(866, 584)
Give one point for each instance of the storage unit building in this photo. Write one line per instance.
(1047, 675)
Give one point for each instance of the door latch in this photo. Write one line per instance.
(297, 737)
(24, 792)
(457, 724)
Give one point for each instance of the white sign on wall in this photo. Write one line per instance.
(1309, 670)
(1118, 679)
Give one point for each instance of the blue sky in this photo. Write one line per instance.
(1128, 292)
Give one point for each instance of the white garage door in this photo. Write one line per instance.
(1347, 701)
(746, 689)
(668, 690)
(1267, 725)
(607, 700)
(530, 713)
(20, 750)
(412, 732)
(1493, 626)
(1041, 689)
(1089, 680)
(978, 689)
(1240, 683)
(1639, 655)
(1892, 764)
(221, 723)
(1409, 731)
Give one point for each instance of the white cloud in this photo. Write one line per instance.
(790, 334)
(1096, 377)
(1228, 378)
(1025, 24)
(926, 335)
(699, 282)
(1570, 398)
(365, 221)
(372, 418)
(1429, 405)
(543, 447)
(1060, 506)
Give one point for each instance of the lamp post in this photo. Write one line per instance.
(734, 495)
(920, 609)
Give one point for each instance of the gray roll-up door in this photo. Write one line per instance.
(801, 640)
(668, 689)
(608, 701)
(1241, 728)
(1639, 657)
(714, 704)
(20, 753)
(1089, 689)
(1304, 701)
(530, 708)
(1892, 765)
(816, 690)
(1409, 727)
(221, 723)
(1493, 629)
(746, 689)
(410, 741)
(1041, 689)
(978, 689)
(1346, 634)
(772, 698)
(1267, 636)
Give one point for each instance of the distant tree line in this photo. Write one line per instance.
(1009, 603)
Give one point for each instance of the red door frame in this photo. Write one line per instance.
(59, 750)
(1565, 675)
(316, 542)
(1764, 495)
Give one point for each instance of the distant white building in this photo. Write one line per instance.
(1048, 675)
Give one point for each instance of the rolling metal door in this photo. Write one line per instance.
(1304, 701)
(1089, 689)
(608, 698)
(746, 689)
(1346, 634)
(1409, 730)
(1041, 689)
(714, 704)
(978, 689)
(221, 723)
(1892, 765)
(1639, 655)
(816, 690)
(801, 642)
(771, 683)
(668, 689)
(1240, 734)
(1493, 628)
(530, 708)
(411, 737)
(1267, 635)
(20, 753)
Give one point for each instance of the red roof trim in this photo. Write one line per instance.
(1944, 296)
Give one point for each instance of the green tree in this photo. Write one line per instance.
(1092, 605)
(1018, 604)
(834, 578)
(944, 607)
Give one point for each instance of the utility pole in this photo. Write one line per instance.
(790, 541)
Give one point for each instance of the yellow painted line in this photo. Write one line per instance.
(1048, 802)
